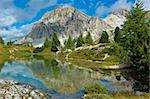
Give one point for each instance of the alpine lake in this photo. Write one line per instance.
(65, 80)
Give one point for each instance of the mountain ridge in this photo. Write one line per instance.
(67, 20)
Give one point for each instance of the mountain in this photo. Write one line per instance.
(116, 18)
(65, 21)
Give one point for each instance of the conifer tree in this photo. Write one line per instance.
(1, 40)
(70, 43)
(55, 42)
(80, 40)
(104, 37)
(10, 43)
(88, 39)
(47, 43)
(117, 34)
(136, 36)
(135, 41)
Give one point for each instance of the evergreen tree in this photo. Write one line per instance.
(88, 39)
(10, 43)
(135, 42)
(1, 40)
(70, 43)
(104, 38)
(80, 40)
(117, 35)
(55, 42)
(136, 36)
(47, 43)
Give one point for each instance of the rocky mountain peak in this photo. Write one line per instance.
(121, 12)
(65, 21)
(116, 18)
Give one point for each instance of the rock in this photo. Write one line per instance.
(65, 21)
(138, 93)
(10, 89)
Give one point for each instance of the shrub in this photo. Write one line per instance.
(37, 50)
(96, 89)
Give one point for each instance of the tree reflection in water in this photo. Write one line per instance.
(64, 78)
(139, 78)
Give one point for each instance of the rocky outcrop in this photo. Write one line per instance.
(66, 20)
(13, 90)
(116, 18)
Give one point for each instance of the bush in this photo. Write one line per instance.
(37, 50)
(1, 40)
(96, 89)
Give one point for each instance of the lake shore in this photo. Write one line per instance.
(10, 89)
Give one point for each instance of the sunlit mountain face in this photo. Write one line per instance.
(18, 16)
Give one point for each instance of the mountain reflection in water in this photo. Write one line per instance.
(64, 79)
(50, 74)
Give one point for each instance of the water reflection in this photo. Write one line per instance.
(139, 78)
(47, 74)
(21, 73)
(67, 80)
(62, 77)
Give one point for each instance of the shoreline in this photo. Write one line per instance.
(10, 89)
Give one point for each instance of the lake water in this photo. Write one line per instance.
(63, 81)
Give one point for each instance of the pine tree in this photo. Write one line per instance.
(117, 34)
(10, 43)
(47, 43)
(135, 41)
(80, 40)
(88, 39)
(136, 35)
(1, 40)
(70, 43)
(104, 38)
(55, 42)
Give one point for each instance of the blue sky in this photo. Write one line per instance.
(18, 16)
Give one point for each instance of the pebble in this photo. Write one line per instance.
(13, 90)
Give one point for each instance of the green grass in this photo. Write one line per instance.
(92, 54)
(46, 52)
(98, 96)
(116, 96)
(93, 59)
(130, 96)
(96, 89)
(15, 52)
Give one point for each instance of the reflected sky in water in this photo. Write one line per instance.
(60, 80)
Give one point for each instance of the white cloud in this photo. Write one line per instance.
(13, 33)
(10, 15)
(40, 4)
(119, 4)
(6, 20)
(146, 4)
(102, 10)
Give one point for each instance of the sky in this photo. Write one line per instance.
(18, 16)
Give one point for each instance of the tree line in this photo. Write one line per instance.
(70, 43)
